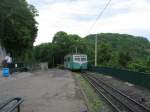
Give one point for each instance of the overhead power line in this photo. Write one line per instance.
(99, 15)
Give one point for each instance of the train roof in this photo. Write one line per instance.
(75, 54)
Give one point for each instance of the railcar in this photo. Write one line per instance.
(75, 61)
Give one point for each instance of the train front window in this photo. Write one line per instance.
(77, 59)
(83, 59)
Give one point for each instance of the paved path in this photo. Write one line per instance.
(51, 91)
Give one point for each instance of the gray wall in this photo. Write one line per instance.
(2, 53)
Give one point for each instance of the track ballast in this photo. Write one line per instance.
(118, 100)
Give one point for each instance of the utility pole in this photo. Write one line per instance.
(96, 50)
(99, 16)
(76, 50)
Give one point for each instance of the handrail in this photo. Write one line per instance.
(12, 108)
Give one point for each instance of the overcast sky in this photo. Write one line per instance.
(76, 17)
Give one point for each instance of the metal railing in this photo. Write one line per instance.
(16, 105)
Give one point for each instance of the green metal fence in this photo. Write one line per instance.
(141, 79)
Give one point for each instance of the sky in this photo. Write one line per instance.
(77, 16)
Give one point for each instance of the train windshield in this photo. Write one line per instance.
(80, 58)
(83, 59)
(77, 59)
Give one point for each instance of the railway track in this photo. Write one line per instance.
(118, 100)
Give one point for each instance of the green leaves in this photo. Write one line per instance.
(104, 53)
(18, 27)
(70, 41)
(61, 45)
(46, 53)
(124, 58)
(119, 50)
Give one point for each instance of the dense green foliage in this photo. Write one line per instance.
(138, 46)
(104, 51)
(61, 45)
(18, 28)
(114, 50)
(46, 53)
(126, 51)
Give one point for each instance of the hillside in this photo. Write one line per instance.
(134, 47)
(138, 46)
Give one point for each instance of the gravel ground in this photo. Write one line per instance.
(43, 91)
(140, 94)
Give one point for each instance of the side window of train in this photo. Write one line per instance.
(68, 58)
(65, 60)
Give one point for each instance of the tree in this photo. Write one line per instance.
(68, 44)
(104, 53)
(124, 58)
(76, 43)
(18, 27)
(45, 53)
(124, 49)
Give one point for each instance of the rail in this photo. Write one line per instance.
(126, 102)
(104, 96)
(5, 107)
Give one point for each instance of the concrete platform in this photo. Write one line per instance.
(49, 91)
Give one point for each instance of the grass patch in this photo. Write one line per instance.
(93, 102)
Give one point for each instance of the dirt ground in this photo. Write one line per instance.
(44, 91)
